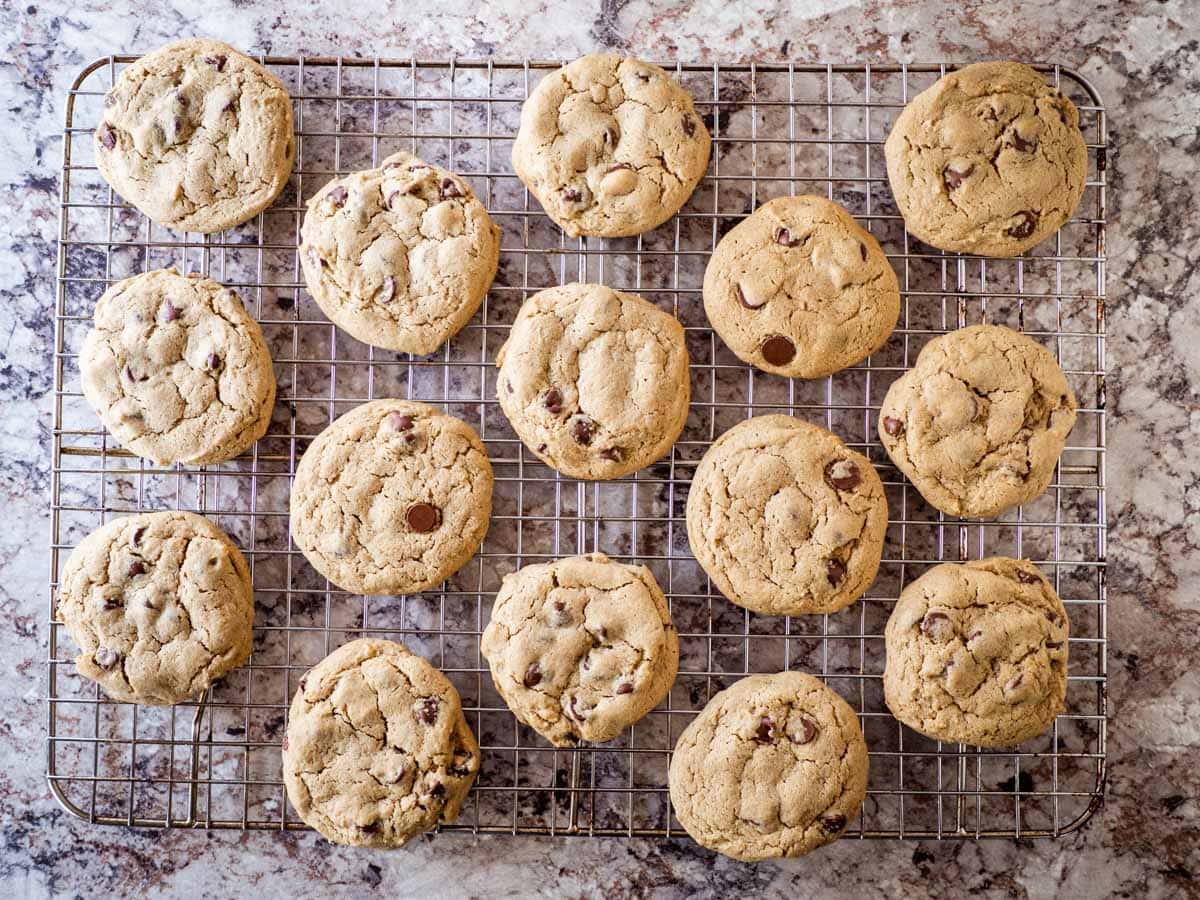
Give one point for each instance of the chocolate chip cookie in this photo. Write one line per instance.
(160, 605)
(197, 136)
(392, 498)
(377, 748)
(799, 289)
(400, 256)
(979, 422)
(581, 648)
(989, 160)
(177, 370)
(774, 766)
(785, 519)
(977, 653)
(610, 146)
(594, 381)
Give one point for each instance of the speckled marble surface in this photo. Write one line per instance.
(1143, 56)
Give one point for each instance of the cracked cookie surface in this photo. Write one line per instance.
(160, 605)
(377, 748)
(977, 653)
(392, 498)
(988, 160)
(774, 766)
(400, 256)
(785, 519)
(177, 369)
(978, 424)
(610, 146)
(582, 647)
(197, 136)
(799, 289)
(594, 381)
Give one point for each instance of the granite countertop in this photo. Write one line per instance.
(1142, 55)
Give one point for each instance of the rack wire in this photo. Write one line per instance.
(778, 129)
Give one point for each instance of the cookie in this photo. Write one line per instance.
(400, 256)
(774, 766)
(988, 160)
(594, 381)
(160, 605)
(785, 519)
(979, 422)
(610, 146)
(377, 748)
(392, 498)
(177, 370)
(197, 136)
(977, 653)
(799, 289)
(581, 648)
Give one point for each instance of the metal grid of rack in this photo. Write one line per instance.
(778, 129)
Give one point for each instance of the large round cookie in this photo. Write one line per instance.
(988, 160)
(774, 766)
(786, 519)
(799, 289)
(977, 653)
(160, 605)
(610, 146)
(392, 498)
(197, 136)
(177, 370)
(377, 748)
(594, 381)
(400, 256)
(582, 647)
(979, 422)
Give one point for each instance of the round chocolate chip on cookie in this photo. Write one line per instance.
(799, 289)
(160, 604)
(392, 498)
(774, 766)
(581, 648)
(977, 653)
(988, 160)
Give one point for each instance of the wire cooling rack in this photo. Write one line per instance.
(778, 129)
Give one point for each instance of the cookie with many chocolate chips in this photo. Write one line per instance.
(988, 160)
(786, 519)
(774, 766)
(977, 653)
(979, 422)
(594, 381)
(610, 146)
(160, 604)
(799, 289)
(581, 648)
(377, 748)
(197, 136)
(392, 498)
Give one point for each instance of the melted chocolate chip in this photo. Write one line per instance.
(765, 732)
(689, 126)
(937, 625)
(617, 167)
(576, 714)
(105, 658)
(337, 196)
(117, 603)
(625, 687)
(399, 421)
(744, 300)
(423, 517)
(427, 710)
(833, 823)
(892, 426)
(835, 571)
(974, 636)
(784, 237)
(572, 195)
(437, 789)
(1025, 227)
(953, 179)
(1021, 144)
(560, 616)
(387, 290)
(217, 60)
(448, 188)
(390, 197)
(553, 401)
(778, 350)
(583, 430)
(862, 251)
(1015, 682)
(1053, 645)
(213, 362)
(137, 535)
(107, 135)
(843, 475)
(807, 732)
(303, 684)
(137, 567)
(533, 675)
(168, 312)
(611, 136)
(612, 454)
(1027, 577)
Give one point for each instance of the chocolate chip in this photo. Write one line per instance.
(137, 535)
(843, 475)
(1021, 144)
(862, 251)
(892, 426)
(108, 136)
(612, 454)
(399, 421)
(449, 188)
(1015, 682)
(118, 602)
(1027, 577)
(303, 684)
(168, 312)
(553, 401)
(617, 167)
(833, 823)
(137, 567)
(784, 237)
(1051, 617)
(689, 126)
(625, 687)
(213, 362)
(571, 195)
(953, 179)
(437, 789)
(560, 616)
(369, 828)
(937, 625)
(576, 714)
(583, 430)
(533, 675)
(611, 136)
(746, 301)
(1025, 227)
(427, 710)
(1053, 645)
(541, 448)
(461, 769)
(337, 196)
(217, 60)
(105, 658)
(974, 636)
(423, 517)
(765, 732)
(778, 350)
(807, 732)
(390, 197)
(835, 571)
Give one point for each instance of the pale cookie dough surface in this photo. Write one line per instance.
(594, 381)
(785, 519)
(610, 146)
(392, 498)
(774, 766)
(977, 653)
(988, 160)
(400, 256)
(377, 748)
(582, 647)
(177, 369)
(799, 289)
(160, 605)
(979, 422)
(197, 136)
